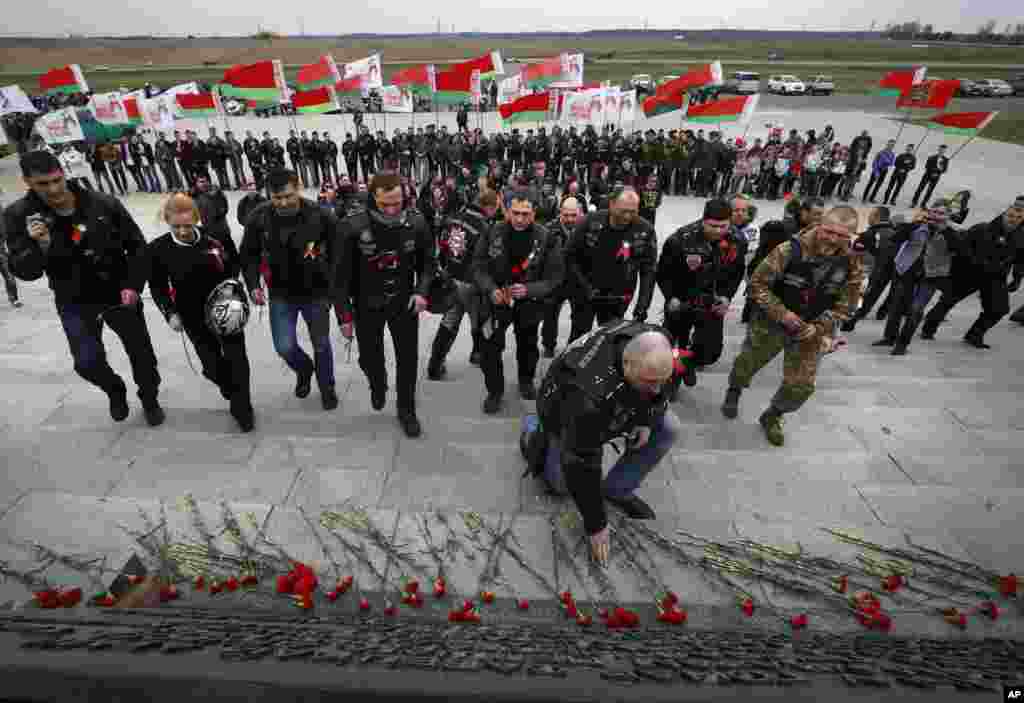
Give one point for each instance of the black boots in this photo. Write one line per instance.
(474, 356)
(118, 403)
(910, 324)
(442, 344)
(731, 406)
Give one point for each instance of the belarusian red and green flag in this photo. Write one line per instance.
(317, 75)
(322, 99)
(418, 80)
(132, 110)
(199, 104)
(654, 105)
(262, 83)
(708, 74)
(538, 76)
(965, 124)
(895, 83)
(350, 87)
(529, 108)
(732, 109)
(488, 65)
(929, 95)
(454, 86)
(67, 80)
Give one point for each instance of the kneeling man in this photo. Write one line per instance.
(607, 384)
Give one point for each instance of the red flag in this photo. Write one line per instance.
(967, 124)
(930, 95)
(708, 74)
(654, 105)
(256, 75)
(895, 83)
(529, 108)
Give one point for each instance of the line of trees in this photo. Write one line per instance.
(1012, 34)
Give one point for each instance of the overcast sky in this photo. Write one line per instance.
(239, 17)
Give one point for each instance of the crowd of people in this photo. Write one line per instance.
(505, 230)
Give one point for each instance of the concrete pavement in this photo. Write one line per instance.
(923, 449)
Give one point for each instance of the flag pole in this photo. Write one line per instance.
(963, 146)
(927, 133)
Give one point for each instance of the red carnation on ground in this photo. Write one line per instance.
(990, 609)
(231, 584)
(364, 604)
(249, 580)
(747, 606)
(216, 587)
(1008, 585)
(799, 622)
(199, 584)
(487, 596)
(891, 584)
(439, 588)
(523, 604)
(672, 616)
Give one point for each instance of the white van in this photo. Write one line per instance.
(744, 83)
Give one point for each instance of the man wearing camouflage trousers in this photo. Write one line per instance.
(801, 294)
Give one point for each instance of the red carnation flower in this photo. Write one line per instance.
(134, 579)
(249, 580)
(70, 597)
(891, 584)
(672, 616)
(364, 604)
(799, 622)
(391, 611)
(487, 596)
(1008, 585)
(467, 605)
(216, 587)
(412, 587)
(670, 598)
(566, 597)
(285, 584)
(231, 584)
(439, 588)
(523, 604)
(332, 596)
(199, 584)
(990, 609)
(584, 620)
(748, 607)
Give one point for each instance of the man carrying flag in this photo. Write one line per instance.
(934, 167)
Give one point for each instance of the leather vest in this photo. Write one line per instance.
(635, 242)
(456, 263)
(811, 287)
(385, 272)
(591, 364)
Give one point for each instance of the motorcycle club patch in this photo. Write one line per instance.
(694, 261)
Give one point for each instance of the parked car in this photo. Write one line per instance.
(100, 68)
(821, 85)
(642, 82)
(743, 83)
(995, 88)
(969, 89)
(786, 85)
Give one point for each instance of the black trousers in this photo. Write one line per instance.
(352, 170)
(221, 169)
(117, 170)
(314, 171)
(895, 186)
(299, 166)
(584, 312)
(366, 164)
(525, 319)
(224, 361)
(329, 167)
(910, 297)
(995, 300)
(881, 277)
(697, 332)
(99, 174)
(404, 327)
(238, 169)
(186, 172)
(874, 183)
(926, 186)
(549, 330)
(84, 331)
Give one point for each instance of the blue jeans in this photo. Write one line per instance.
(629, 471)
(85, 338)
(284, 318)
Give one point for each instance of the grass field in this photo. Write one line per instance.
(848, 79)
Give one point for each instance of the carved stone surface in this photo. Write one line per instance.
(652, 655)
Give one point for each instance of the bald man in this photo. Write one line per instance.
(610, 252)
(607, 384)
(562, 230)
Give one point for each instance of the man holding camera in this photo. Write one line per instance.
(93, 254)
